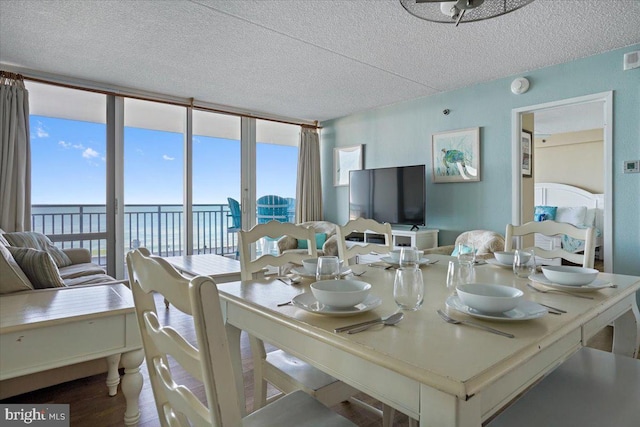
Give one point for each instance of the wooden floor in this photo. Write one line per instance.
(91, 406)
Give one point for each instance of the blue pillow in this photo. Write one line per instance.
(465, 250)
(320, 239)
(543, 213)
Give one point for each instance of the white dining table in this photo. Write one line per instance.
(436, 372)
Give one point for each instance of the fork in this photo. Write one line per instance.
(529, 285)
(359, 274)
(475, 325)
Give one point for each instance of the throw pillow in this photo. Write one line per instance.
(465, 250)
(320, 239)
(12, 278)
(35, 240)
(38, 266)
(572, 215)
(543, 213)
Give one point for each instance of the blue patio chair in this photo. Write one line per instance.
(236, 218)
(272, 208)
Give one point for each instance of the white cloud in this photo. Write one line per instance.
(90, 153)
(139, 151)
(164, 156)
(64, 144)
(79, 146)
(41, 132)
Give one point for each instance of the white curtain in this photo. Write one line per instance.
(15, 154)
(309, 186)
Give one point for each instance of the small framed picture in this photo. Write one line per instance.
(346, 159)
(526, 148)
(455, 156)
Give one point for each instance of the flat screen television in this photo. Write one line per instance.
(395, 195)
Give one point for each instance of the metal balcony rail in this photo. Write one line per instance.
(157, 227)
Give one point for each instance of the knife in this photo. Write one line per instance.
(357, 325)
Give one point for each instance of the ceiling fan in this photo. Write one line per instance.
(455, 11)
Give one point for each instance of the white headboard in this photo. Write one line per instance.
(553, 194)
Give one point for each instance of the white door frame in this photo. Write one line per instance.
(516, 189)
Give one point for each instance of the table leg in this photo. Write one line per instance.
(626, 332)
(444, 410)
(113, 376)
(233, 336)
(132, 385)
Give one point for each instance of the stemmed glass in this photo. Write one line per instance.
(408, 288)
(328, 268)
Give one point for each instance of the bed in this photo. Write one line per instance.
(574, 205)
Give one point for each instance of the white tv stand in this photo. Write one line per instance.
(424, 238)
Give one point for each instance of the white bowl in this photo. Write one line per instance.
(489, 298)
(570, 276)
(340, 293)
(506, 258)
(310, 265)
(395, 255)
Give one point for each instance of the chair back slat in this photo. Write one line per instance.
(273, 229)
(552, 228)
(362, 225)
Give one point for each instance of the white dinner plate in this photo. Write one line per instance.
(308, 302)
(389, 260)
(526, 310)
(301, 271)
(591, 287)
(497, 263)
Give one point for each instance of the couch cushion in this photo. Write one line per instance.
(3, 241)
(35, 240)
(88, 280)
(79, 270)
(38, 266)
(12, 278)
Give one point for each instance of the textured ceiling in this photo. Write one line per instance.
(310, 60)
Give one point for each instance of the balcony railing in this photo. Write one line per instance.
(156, 227)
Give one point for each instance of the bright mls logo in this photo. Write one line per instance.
(34, 415)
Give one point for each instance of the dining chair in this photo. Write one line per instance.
(591, 388)
(552, 228)
(282, 370)
(361, 225)
(208, 361)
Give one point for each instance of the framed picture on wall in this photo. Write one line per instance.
(345, 159)
(455, 156)
(526, 148)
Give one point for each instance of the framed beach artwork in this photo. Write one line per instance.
(455, 156)
(346, 159)
(526, 148)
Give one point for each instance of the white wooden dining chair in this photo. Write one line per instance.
(208, 361)
(591, 388)
(552, 228)
(284, 371)
(348, 250)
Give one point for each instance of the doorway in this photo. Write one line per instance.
(522, 189)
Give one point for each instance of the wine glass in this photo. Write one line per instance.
(408, 288)
(328, 268)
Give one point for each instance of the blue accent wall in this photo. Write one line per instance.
(401, 135)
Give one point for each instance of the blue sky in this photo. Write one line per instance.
(68, 165)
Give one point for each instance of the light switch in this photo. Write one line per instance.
(631, 166)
